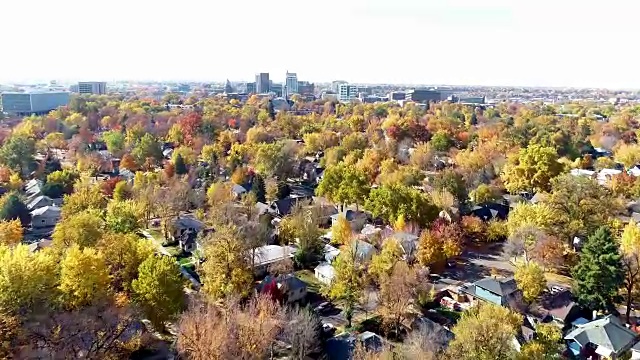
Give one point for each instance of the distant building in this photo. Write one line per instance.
(228, 89)
(38, 103)
(276, 89)
(184, 88)
(336, 84)
(397, 95)
(305, 87)
(291, 84)
(250, 88)
(92, 87)
(262, 83)
(424, 96)
(347, 92)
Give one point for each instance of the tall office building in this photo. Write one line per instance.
(347, 92)
(250, 88)
(262, 83)
(290, 84)
(336, 84)
(92, 87)
(37, 102)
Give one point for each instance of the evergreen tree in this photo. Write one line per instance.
(258, 188)
(599, 274)
(181, 167)
(13, 208)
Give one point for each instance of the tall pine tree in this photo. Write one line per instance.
(258, 187)
(599, 275)
(181, 167)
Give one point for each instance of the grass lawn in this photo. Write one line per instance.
(185, 260)
(309, 278)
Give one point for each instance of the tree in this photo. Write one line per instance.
(258, 187)
(430, 252)
(344, 184)
(12, 208)
(549, 252)
(523, 241)
(227, 270)
(27, 280)
(389, 201)
(397, 293)
(17, 153)
(101, 331)
(84, 277)
(158, 289)
(121, 191)
(83, 229)
(128, 162)
(303, 333)
(532, 170)
(440, 141)
(630, 248)
(147, 147)
(485, 332)
(84, 198)
(124, 216)
(530, 279)
(53, 190)
(382, 264)
(180, 166)
(628, 154)
(453, 183)
(546, 346)
(525, 215)
(10, 232)
(301, 228)
(274, 159)
(581, 205)
(347, 284)
(599, 273)
(341, 231)
(65, 178)
(123, 254)
(115, 141)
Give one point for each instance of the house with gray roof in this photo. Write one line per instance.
(47, 216)
(606, 337)
(268, 255)
(503, 292)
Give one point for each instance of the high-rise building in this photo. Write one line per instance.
(92, 87)
(37, 102)
(250, 88)
(291, 84)
(262, 83)
(305, 87)
(277, 89)
(336, 84)
(347, 92)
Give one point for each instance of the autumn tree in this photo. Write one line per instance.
(389, 201)
(341, 231)
(530, 279)
(397, 293)
(344, 184)
(158, 289)
(123, 254)
(549, 252)
(485, 332)
(630, 248)
(628, 154)
(348, 284)
(124, 216)
(27, 280)
(83, 229)
(84, 277)
(227, 270)
(599, 273)
(128, 162)
(12, 208)
(10, 232)
(532, 169)
(301, 228)
(546, 345)
(17, 153)
(83, 198)
(382, 264)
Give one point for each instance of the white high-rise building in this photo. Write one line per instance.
(290, 84)
(92, 87)
(347, 92)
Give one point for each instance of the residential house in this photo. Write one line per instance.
(47, 216)
(408, 242)
(33, 189)
(39, 245)
(583, 172)
(364, 250)
(293, 289)
(371, 341)
(283, 207)
(238, 190)
(269, 255)
(42, 201)
(557, 308)
(442, 335)
(606, 174)
(357, 219)
(603, 338)
(330, 253)
(324, 272)
(185, 230)
(502, 292)
(491, 211)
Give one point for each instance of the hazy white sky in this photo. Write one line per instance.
(474, 42)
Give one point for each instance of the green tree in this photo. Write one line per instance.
(84, 277)
(121, 191)
(115, 141)
(485, 332)
(17, 153)
(599, 273)
(530, 279)
(391, 201)
(344, 184)
(382, 264)
(532, 170)
(440, 141)
(258, 187)
(65, 178)
(158, 289)
(123, 254)
(124, 216)
(227, 270)
(181, 167)
(27, 280)
(12, 208)
(453, 183)
(83, 229)
(347, 285)
(147, 147)
(301, 228)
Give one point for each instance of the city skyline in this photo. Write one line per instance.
(496, 43)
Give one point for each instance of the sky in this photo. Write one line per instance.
(560, 43)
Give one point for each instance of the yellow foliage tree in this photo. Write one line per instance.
(530, 279)
(341, 232)
(10, 232)
(84, 277)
